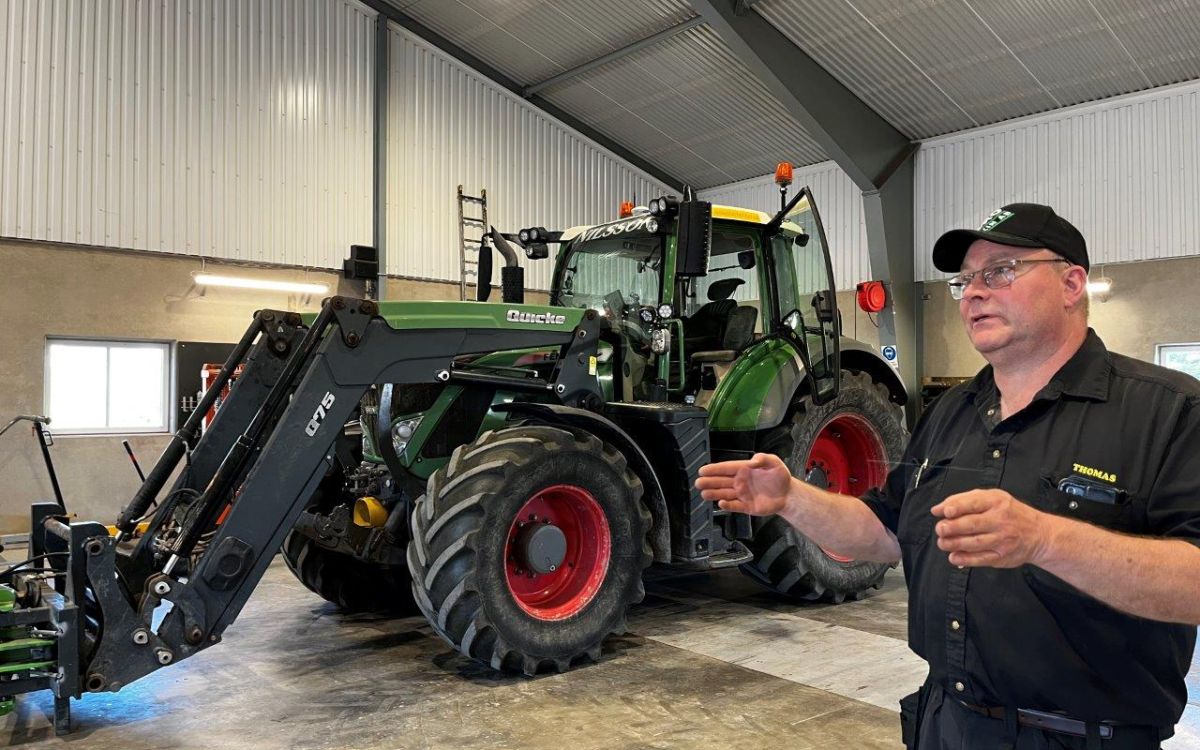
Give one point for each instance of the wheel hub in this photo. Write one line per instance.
(542, 547)
(557, 554)
(817, 476)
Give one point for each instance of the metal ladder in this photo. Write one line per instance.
(468, 265)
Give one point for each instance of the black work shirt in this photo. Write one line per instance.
(1021, 637)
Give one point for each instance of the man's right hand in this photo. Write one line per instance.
(758, 486)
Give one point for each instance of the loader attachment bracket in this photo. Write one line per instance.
(131, 646)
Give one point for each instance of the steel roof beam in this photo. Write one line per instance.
(616, 54)
(876, 156)
(854, 135)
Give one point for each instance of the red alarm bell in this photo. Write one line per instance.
(872, 296)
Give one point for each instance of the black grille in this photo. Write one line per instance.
(460, 423)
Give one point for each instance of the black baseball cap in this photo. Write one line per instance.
(1016, 225)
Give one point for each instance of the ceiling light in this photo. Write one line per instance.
(269, 285)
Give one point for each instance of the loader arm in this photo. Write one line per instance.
(212, 536)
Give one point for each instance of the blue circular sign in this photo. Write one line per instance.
(889, 353)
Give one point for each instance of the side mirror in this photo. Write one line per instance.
(745, 259)
(793, 320)
(823, 304)
(694, 238)
(802, 240)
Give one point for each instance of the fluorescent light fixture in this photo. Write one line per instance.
(1099, 286)
(269, 285)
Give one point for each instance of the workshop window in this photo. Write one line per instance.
(105, 387)
(1181, 357)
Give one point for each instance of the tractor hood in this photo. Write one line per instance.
(446, 315)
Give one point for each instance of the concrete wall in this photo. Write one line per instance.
(54, 290)
(67, 291)
(1153, 302)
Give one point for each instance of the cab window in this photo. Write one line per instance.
(726, 278)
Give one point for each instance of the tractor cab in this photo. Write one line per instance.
(689, 289)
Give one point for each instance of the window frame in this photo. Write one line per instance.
(1160, 348)
(168, 348)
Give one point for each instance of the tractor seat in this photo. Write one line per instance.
(739, 333)
(706, 328)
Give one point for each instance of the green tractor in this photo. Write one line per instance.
(508, 470)
(529, 522)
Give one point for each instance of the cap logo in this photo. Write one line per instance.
(998, 217)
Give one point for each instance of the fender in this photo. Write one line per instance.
(607, 430)
(859, 356)
(760, 387)
(756, 392)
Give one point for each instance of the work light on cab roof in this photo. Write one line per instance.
(664, 207)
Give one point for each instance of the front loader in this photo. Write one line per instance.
(507, 470)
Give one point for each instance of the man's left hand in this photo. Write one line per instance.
(990, 528)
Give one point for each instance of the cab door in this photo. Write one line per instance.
(805, 300)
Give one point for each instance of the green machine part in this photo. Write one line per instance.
(429, 420)
(18, 652)
(406, 315)
(756, 393)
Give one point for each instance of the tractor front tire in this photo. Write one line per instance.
(528, 547)
(846, 446)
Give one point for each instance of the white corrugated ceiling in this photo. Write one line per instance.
(937, 66)
(929, 67)
(685, 104)
(689, 105)
(531, 40)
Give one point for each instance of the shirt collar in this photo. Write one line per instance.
(1085, 375)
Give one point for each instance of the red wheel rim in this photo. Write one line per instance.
(848, 458)
(563, 592)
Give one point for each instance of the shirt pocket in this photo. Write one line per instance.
(1118, 516)
(915, 527)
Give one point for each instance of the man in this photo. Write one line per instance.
(1047, 513)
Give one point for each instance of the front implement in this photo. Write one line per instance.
(90, 611)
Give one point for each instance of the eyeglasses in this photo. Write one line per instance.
(996, 276)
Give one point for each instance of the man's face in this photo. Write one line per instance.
(1017, 318)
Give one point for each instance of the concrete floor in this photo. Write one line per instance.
(710, 659)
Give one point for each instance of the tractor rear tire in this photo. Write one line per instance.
(848, 446)
(528, 547)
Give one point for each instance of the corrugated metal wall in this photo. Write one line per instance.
(448, 125)
(839, 201)
(223, 129)
(1126, 172)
